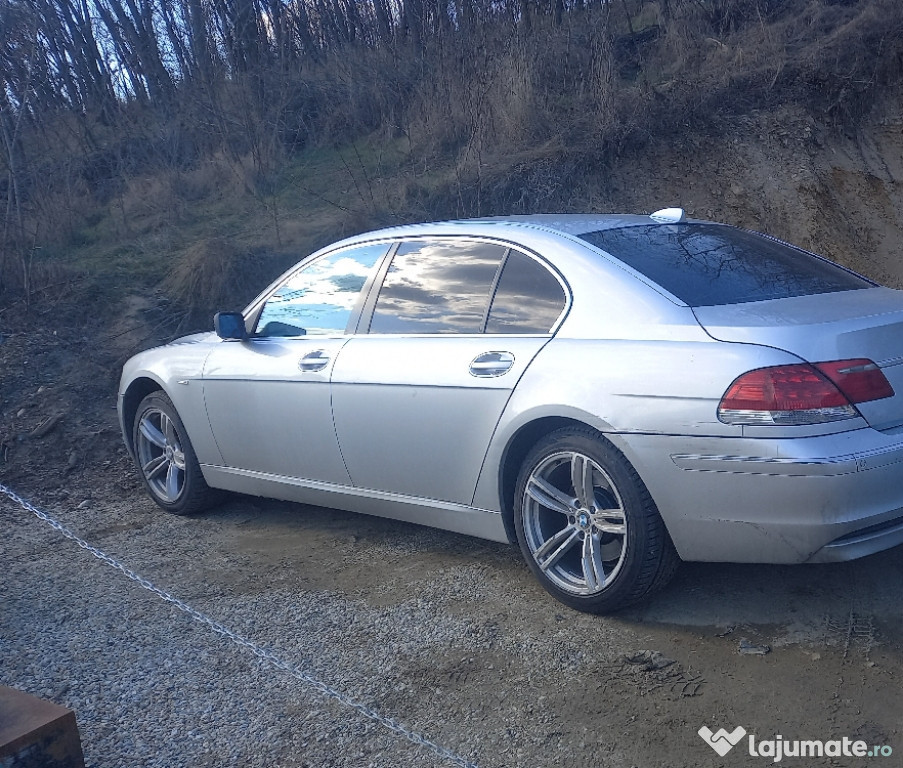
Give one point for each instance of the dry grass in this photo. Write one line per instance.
(504, 119)
(201, 275)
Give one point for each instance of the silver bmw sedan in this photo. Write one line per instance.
(612, 393)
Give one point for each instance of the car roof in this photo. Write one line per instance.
(574, 258)
(568, 223)
(564, 223)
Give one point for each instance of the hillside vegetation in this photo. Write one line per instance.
(188, 150)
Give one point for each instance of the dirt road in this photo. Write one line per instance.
(448, 635)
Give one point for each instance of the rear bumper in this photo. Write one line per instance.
(790, 500)
(861, 542)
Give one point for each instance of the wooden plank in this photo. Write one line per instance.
(35, 733)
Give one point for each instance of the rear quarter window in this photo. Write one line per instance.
(710, 264)
(528, 298)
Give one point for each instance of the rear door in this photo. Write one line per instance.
(417, 394)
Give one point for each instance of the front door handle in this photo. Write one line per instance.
(314, 361)
(491, 364)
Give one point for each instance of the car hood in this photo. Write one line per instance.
(829, 326)
(194, 338)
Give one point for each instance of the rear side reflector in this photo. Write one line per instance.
(803, 393)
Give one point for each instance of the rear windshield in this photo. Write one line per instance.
(708, 264)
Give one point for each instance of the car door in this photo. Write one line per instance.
(268, 397)
(417, 395)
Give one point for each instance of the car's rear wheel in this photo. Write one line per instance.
(587, 525)
(166, 459)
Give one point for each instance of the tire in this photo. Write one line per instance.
(166, 459)
(587, 526)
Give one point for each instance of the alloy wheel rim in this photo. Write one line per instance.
(574, 523)
(160, 455)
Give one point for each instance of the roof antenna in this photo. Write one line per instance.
(667, 215)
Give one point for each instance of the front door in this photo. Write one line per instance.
(268, 397)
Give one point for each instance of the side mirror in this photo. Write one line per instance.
(230, 325)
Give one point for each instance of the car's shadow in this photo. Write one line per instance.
(803, 598)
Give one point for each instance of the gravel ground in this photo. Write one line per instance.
(446, 634)
(153, 686)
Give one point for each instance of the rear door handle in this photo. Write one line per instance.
(314, 361)
(491, 364)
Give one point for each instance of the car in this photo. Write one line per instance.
(613, 393)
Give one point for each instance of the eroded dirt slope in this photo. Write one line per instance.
(525, 682)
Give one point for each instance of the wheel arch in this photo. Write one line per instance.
(520, 444)
(136, 391)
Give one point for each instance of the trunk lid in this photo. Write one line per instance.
(829, 326)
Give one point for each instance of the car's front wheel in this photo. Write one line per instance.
(166, 459)
(587, 525)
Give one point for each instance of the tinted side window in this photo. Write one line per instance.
(439, 286)
(706, 264)
(319, 298)
(528, 299)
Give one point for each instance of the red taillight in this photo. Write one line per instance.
(803, 393)
(783, 388)
(860, 380)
